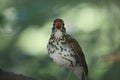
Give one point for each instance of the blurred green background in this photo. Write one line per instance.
(25, 28)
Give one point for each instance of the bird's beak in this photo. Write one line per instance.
(58, 25)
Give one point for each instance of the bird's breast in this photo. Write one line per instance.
(61, 53)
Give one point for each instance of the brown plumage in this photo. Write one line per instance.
(78, 51)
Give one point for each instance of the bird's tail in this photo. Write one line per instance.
(80, 73)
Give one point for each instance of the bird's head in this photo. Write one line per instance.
(58, 27)
(58, 24)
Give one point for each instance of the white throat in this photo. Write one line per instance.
(58, 34)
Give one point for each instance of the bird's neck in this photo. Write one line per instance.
(58, 34)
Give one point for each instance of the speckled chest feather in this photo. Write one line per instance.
(61, 52)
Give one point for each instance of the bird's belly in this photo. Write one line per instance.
(63, 55)
(63, 59)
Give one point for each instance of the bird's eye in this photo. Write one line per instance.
(53, 24)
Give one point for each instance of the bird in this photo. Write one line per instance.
(65, 51)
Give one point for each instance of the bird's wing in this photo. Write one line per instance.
(78, 51)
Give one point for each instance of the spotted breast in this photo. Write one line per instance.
(61, 52)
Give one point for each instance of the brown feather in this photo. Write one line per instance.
(78, 51)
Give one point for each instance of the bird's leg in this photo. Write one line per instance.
(68, 76)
